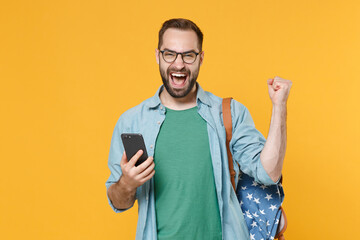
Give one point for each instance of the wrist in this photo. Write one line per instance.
(123, 184)
(279, 105)
(279, 110)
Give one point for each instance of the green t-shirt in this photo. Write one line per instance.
(185, 196)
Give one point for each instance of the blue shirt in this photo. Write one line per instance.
(246, 145)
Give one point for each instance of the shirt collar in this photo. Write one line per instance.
(200, 96)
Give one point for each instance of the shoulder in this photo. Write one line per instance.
(136, 110)
(134, 114)
(237, 108)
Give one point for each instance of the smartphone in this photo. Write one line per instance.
(133, 142)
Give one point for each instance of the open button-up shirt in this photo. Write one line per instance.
(246, 145)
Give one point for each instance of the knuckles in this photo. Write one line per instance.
(284, 84)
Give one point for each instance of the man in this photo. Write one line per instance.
(190, 196)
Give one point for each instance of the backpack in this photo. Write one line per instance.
(260, 204)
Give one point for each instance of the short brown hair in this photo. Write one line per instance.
(182, 24)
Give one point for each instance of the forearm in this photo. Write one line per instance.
(273, 153)
(121, 196)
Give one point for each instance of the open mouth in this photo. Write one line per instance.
(178, 80)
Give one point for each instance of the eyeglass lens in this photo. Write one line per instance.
(189, 57)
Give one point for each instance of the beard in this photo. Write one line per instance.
(179, 93)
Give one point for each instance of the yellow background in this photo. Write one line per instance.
(68, 69)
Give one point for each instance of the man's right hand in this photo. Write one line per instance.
(122, 193)
(135, 176)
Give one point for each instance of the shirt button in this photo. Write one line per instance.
(161, 107)
(158, 122)
(151, 146)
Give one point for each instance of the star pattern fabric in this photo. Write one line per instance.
(260, 205)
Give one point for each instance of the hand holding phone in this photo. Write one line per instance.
(137, 168)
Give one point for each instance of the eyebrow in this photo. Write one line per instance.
(192, 50)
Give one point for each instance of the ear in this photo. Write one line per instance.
(157, 55)
(201, 57)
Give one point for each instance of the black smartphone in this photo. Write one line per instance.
(133, 142)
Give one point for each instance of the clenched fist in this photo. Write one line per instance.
(279, 90)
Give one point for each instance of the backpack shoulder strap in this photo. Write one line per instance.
(226, 110)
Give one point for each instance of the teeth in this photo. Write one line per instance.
(178, 75)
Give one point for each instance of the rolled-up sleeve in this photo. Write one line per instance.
(247, 143)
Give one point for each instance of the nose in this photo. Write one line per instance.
(178, 63)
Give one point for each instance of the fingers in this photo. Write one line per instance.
(123, 160)
(270, 81)
(278, 83)
(273, 85)
(135, 176)
(145, 164)
(148, 177)
(282, 81)
(131, 164)
(147, 171)
(135, 158)
(270, 86)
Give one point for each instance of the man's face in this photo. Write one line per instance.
(178, 77)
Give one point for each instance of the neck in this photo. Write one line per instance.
(183, 103)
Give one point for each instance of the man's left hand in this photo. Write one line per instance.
(279, 90)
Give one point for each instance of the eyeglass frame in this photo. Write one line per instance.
(181, 53)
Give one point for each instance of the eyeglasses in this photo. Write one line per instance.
(187, 57)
